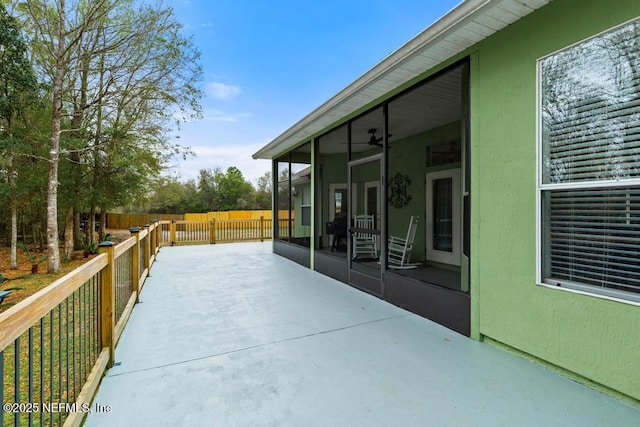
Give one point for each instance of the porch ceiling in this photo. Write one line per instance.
(467, 24)
(429, 106)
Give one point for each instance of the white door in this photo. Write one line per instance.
(443, 216)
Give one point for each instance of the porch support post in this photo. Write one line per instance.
(312, 243)
(383, 195)
(275, 212)
(289, 201)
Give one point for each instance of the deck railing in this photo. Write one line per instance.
(214, 231)
(56, 344)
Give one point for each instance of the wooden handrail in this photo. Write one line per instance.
(19, 318)
(124, 246)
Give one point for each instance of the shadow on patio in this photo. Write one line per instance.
(235, 335)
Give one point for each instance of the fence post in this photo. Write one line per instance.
(172, 232)
(135, 266)
(153, 237)
(159, 236)
(156, 242)
(107, 301)
(213, 231)
(147, 250)
(261, 228)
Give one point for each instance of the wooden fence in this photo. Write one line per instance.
(228, 215)
(125, 221)
(56, 344)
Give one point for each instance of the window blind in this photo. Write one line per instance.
(602, 143)
(593, 237)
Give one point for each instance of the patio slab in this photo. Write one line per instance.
(233, 335)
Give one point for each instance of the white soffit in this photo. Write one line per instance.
(467, 24)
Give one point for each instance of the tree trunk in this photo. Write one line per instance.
(103, 220)
(91, 224)
(14, 236)
(53, 250)
(68, 233)
(41, 236)
(76, 230)
(14, 217)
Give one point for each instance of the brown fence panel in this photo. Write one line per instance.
(125, 221)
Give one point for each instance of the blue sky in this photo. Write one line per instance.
(267, 64)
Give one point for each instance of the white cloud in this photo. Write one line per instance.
(222, 91)
(221, 116)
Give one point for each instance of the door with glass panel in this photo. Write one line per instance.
(443, 216)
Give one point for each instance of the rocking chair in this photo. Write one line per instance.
(364, 243)
(400, 249)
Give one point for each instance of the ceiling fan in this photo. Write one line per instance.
(373, 140)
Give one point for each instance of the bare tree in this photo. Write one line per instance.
(114, 73)
(59, 28)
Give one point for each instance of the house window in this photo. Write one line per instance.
(306, 206)
(589, 167)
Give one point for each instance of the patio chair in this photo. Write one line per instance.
(339, 230)
(364, 243)
(400, 249)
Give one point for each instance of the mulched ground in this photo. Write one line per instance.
(22, 283)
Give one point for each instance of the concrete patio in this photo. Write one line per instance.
(232, 334)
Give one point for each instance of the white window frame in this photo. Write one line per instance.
(577, 288)
(341, 186)
(307, 205)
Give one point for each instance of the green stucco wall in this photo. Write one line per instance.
(300, 230)
(595, 338)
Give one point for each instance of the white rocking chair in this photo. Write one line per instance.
(364, 243)
(400, 249)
